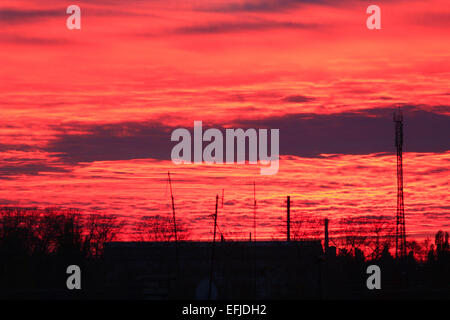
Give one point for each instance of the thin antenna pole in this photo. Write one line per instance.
(254, 239)
(288, 232)
(223, 192)
(254, 211)
(326, 242)
(213, 250)
(173, 208)
(177, 264)
(215, 219)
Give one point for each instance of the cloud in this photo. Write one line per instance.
(7, 202)
(363, 132)
(434, 171)
(261, 5)
(123, 141)
(21, 40)
(434, 19)
(18, 147)
(28, 169)
(226, 27)
(19, 16)
(307, 135)
(15, 16)
(298, 99)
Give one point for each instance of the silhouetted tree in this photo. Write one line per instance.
(440, 252)
(306, 227)
(99, 229)
(354, 235)
(54, 230)
(380, 236)
(158, 228)
(441, 242)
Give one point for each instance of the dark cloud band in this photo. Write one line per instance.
(305, 135)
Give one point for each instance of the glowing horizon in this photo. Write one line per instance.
(87, 114)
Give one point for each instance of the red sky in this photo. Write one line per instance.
(86, 114)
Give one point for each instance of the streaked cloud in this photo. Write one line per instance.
(36, 41)
(306, 135)
(260, 5)
(298, 99)
(17, 16)
(225, 27)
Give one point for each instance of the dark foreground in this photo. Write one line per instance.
(271, 270)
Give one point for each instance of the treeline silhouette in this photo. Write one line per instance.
(370, 236)
(423, 273)
(37, 245)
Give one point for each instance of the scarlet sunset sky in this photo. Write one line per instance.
(86, 115)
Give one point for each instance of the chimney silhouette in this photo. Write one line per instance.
(326, 244)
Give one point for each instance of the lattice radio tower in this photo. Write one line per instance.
(400, 236)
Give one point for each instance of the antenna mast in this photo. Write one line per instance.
(400, 237)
